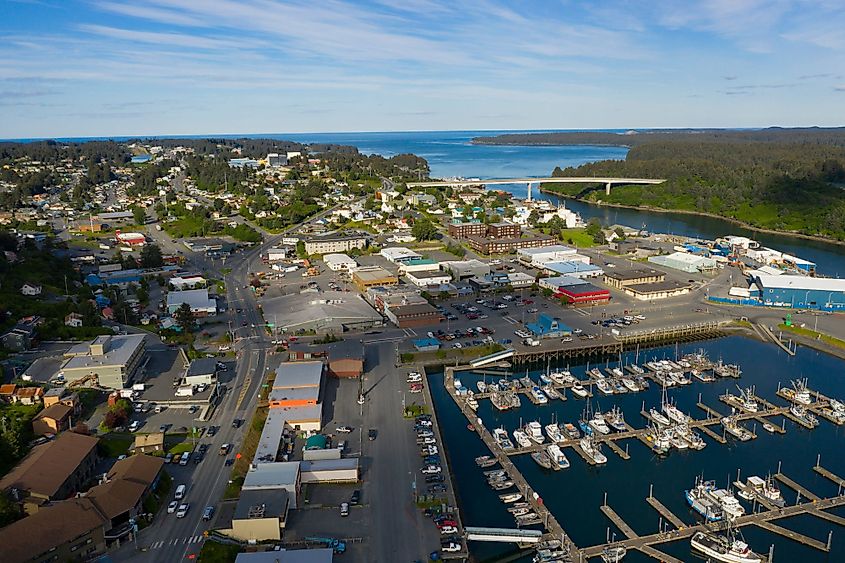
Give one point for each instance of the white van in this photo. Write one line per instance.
(180, 492)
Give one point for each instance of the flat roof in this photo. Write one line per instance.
(656, 287)
(801, 282)
(624, 274)
(318, 555)
(261, 504)
(277, 475)
(196, 298)
(202, 366)
(344, 463)
(295, 394)
(584, 289)
(298, 374)
(118, 351)
(428, 274)
(376, 274)
(338, 259)
(412, 309)
(568, 266)
(551, 249)
(271, 437)
(328, 309)
(563, 281)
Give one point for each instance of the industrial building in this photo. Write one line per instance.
(108, 361)
(583, 294)
(373, 276)
(398, 254)
(339, 262)
(465, 269)
(325, 313)
(574, 268)
(801, 291)
(427, 278)
(622, 277)
(685, 262)
(418, 265)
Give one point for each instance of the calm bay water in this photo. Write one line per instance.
(575, 494)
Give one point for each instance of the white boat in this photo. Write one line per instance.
(617, 372)
(550, 392)
(553, 432)
(804, 415)
(539, 396)
(630, 384)
(658, 417)
(799, 392)
(599, 424)
(674, 413)
(637, 369)
(729, 503)
(535, 432)
(616, 419)
(557, 376)
(501, 437)
(521, 438)
(722, 548)
(592, 450)
(837, 406)
(735, 429)
(604, 386)
(613, 553)
(559, 460)
(766, 488)
(579, 390)
(509, 498)
(472, 402)
(677, 440)
(482, 387)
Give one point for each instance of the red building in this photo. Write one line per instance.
(583, 294)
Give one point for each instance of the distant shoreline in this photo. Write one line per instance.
(743, 224)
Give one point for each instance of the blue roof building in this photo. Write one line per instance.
(426, 344)
(548, 327)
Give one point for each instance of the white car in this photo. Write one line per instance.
(183, 510)
(344, 429)
(450, 546)
(448, 530)
(171, 508)
(431, 469)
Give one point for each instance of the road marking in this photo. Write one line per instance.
(511, 320)
(409, 332)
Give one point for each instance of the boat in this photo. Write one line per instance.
(658, 417)
(522, 438)
(613, 553)
(724, 548)
(661, 443)
(495, 473)
(480, 461)
(616, 419)
(703, 376)
(550, 392)
(553, 432)
(538, 395)
(501, 401)
(516, 402)
(757, 486)
(482, 386)
(804, 415)
(596, 372)
(571, 430)
(630, 384)
(599, 424)
(734, 428)
(551, 556)
(726, 370)
(559, 377)
(677, 440)
(593, 450)
(548, 544)
(501, 485)
(695, 441)
(542, 459)
(472, 402)
(488, 463)
(604, 386)
(579, 390)
(545, 379)
(837, 406)
(557, 456)
(799, 392)
(618, 386)
(674, 413)
(519, 511)
(535, 432)
(636, 369)
(701, 501)
(501, 437)
(509, 498)
(731, 507)
(747, 402)
(527, 382)
(769, 427)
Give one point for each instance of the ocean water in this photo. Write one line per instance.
(574, 495)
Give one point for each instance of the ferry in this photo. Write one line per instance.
(521, 438)
(616, 419)
(559, 460)
(804, 415)
(700, 500)
(579, 390)
(501, 437)
(535, 432)
(593, 450)
(571, 430)
(721, 548)
(539, 396)
(657, 417)
(553, 432)
(734, 428)
(542, 459)
(509, 498)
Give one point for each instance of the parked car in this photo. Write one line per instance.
(344, 509)
(183, 510)
(371, 434)
(171, 508)
(431, 469)
(356, 497)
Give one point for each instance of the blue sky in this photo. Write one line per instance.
(126, 67)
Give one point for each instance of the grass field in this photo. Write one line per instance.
(826, 338)
(247, 452)
(214, 552)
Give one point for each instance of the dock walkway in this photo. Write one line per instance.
(618, 521)
(796, 487)
(667, 514)
(840, 482)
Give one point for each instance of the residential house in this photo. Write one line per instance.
(30, 289)
(52, 420)
(73, 320)
(28, 395)
(148, 443)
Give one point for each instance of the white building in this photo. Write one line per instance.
(30, 289)
(339, 262)
(181, 283)
(570, 218)
(398, 254)
(539, 257)
(279, 253)
(428, 278)
(685, 262)
(199, 301)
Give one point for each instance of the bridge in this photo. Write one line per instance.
(505, 535)
(492, 358)
(608, 182)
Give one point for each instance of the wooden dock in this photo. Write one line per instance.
(794, 536)
(840, 482)
(667, 514)
(619, 522)
(796, 487)
(617, 450)
(658, 555)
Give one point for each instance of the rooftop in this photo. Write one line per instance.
(547, 250)
(196, 298)
(371, 275)
(57, 411)
(801, 282)
(656, 287)
(271, 475)
(627, 274)
(139, 468)
(118, 350)
(291, 375)
(202, 366)
(261, 504)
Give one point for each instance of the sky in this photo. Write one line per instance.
(72, 68)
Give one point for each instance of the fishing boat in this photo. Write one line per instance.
(538, 395)
(661, 443)
(551, 556)
(550, 392)
(765, 488)
(472, 402)
(481, 460)
(535, 432)
(599, 424)
(616, 419)
(542, 459)
(674, 413)
(747, 402)
(509, 498)
(837, 406)
(726, 370)
(695, 441)
(613, 553)
(482, 387)
(703, 376)
(592, 450)
(557, 456)
(604, 386)
(728, 548)
(501, 437)
(571, 430)
(701, 501)
(579, 390)
(677, 440)
(630, 384)
(548, 544)
(519, 511)
(799, 392)
(553, 432)
(521, 438)
(527, 382)
(731, 506)
(804, 415)
(735, 429)
(501, 401)
(657, 417)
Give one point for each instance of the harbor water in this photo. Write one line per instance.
(574, 495)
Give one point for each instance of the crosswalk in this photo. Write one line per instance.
(511, 320)
(409, 332)
(583, 312)
(177, 541)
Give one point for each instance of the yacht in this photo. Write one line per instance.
(729, 503)
(519, 511)
(521, 438)
(599, 424)
(630, 384)
(604, 386)
(721, 548)
(579, 390)
(571, 431)
(499, 485)
(616, 372)
(636, 369)
(553, 432)
(557, 376)
(545, 379)
(501, 437)
(559, 460)
(509, 498)
(483, 459)
(701, 501)
(487, 462)
(593, 450)
(535, 432)
(674, 413)
(734, 428)
(613, 553)
(615, 419)
(596, 373)
(542, 459)
(472, 402)
(482, 386)
(658, 417)
(539, 397)
(550, 392)
(804, 415)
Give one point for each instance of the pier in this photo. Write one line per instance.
(840, 482)
(618, 522)
(667, 514)
(795, 486)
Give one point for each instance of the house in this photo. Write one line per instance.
(548, 327)
(197, 299)
(21, 337)
(28, 395)
(7, 392)
(60, 395)
(52, 471)
(148, 443)
(52, 420)
(31, 289)
(73, 320)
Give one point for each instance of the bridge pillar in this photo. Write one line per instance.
(607, 188)
(529, 191)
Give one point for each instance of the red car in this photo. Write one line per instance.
(444, 523)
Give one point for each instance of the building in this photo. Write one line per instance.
(538, 257)
(426, 344)
(148, 443)
(557, 282)
(260, 516)
(418, 265)
(28, 395)
(398, 254)
(52, 420)
(345, 358)
(202, 371)
(279, 253)
(52, 471)
(574, 268)
(65, 531)
(520, 279)
(275, 160)
(548, 327)
(329, 244)
(409, 316)
(583, 294)
(30, 289)
(657, 290)
(685, 262)
(342, 470)
(330, 312)
(428, 278)
(339, 262)
(296, 396)
(487, 245)
(801, 291)
(21, 336)
(464, 229)
(365, 278)
(61, 396)
(73, 320)
(270, 477)
(201, 304)
(465, 269)
(621, 277)
(503, 230)
(570, 219)
(110, 361)
(314, 555)
(182, 283)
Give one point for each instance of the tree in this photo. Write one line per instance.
(140, 215)
(151, 256)
(424, 229)
(9, 511)
(593, 227)
(300, 249)
(184, 317)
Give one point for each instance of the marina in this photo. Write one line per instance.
(640, 543)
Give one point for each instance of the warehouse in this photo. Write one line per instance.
(689, 263)
(428, 278)
(574, 268)
(465, 269)
(537, 257)
(656, 290)
(801, 291)
(418, 265)
(339, 262)
(365, 278)
(558, 282)
(398, 254)
(325, 313)
(197, 299)
(344, 470)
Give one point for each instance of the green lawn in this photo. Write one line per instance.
(578, 238)
(213, 552)
(114, 445)
(832, 340)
